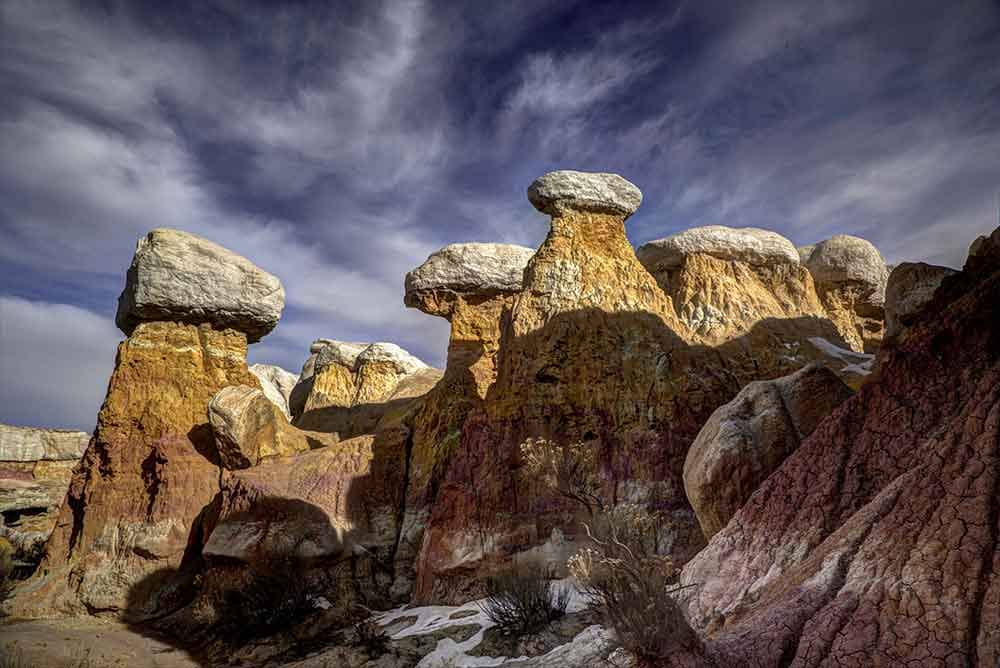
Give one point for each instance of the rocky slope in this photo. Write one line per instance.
(876, 542)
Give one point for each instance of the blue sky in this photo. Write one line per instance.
(338, 144)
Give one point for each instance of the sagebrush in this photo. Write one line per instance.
(521, 601)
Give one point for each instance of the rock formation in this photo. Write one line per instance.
(910, 286)
(876, 542)
(35, 470)
(345, 388)
(850, 277)
(249, 429)
(277, 384)
(724, 280)
(180, 277)
(749, 437)
(152, 465)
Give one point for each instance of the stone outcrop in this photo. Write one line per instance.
(749, 437)
(850, 277)
(910, 287)
(469, 268)
(35, 470)
(568, 190)
(277, 384)
(180, 277)
(724, 280)
(152, 464)
(348, 387)
(876, 542)
(593, 368)
(250, 429)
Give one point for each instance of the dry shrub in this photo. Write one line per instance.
(268, 602)
(633, 586)
(571, 470)
(523, 601)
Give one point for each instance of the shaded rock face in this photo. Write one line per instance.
(749, 437)
(850, 277)
(35, 470)
(910, 287)
(249, 429)
(348, 387)
(277, 384)
(181, 277)
(592, 361)
(147, 473)
(876, 542)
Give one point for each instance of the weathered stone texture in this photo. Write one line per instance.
(277, 384)
(910, 287)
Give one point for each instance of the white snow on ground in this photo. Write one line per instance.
(433, 618)
(857, 363)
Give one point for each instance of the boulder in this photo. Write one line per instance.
(876, 541)
(28, 444)
(276, 383)
(566, 190)
(180, 277)
(469, 268)
(749, 245)
(910, 286)
(749, 437)
(850, 277)
(249, 428)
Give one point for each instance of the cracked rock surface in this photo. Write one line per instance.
(876, 542)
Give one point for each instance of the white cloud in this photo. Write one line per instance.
(55, 360)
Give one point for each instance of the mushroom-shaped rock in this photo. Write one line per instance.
(250, 428)
(749, 437)
(600, 192)
(911, 285)
(277, 384)
(844, 259)
(180, 277)
(473, 269)
(750, 245)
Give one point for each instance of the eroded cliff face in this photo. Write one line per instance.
(147, 474)
(876, 542)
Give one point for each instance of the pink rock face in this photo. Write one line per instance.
(876, 543)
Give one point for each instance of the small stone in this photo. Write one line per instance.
(180, 277)
(586, 191)
(750, 245)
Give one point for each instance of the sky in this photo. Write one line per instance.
(338, 144)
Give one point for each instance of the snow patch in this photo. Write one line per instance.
(856, 363)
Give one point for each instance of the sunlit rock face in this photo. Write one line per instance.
(876, 542)
(850, 277)
(345, 388)
(152, 465)
(277, 384)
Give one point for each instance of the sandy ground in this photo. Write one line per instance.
(86, 643)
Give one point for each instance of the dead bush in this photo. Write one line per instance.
(523, 601)
(633, 586)
(266, 603)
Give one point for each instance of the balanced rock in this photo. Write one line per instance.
(876, 541)
(749, 437)
(469, 268)
(723, 281)
(584, 191)
(277, 384)
(910, 286)
(749, 245)
(850, 276)
(152, 465)
(180, 277)
(249, 428)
